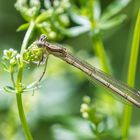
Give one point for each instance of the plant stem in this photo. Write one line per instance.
(23, 47)
(91, 16)
(22, 117)
(131, 74)
(98, 46)
(26, 38)
(12, 76)
(100, 52)
(19, 81)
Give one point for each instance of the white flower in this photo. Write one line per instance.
(85, 115)
(13, 61)
(86, 99)
(5, 52)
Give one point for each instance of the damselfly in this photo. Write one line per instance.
(116, 86)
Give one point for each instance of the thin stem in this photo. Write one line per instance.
(27, 37)
(23, 47)
(100, 52)
(131, 74)
(12, 79)
(91, 11)
(19, 81)
(12, 76)
(22, 117)
(19, 76)
(98, 46)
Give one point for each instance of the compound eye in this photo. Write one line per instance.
(42, 37)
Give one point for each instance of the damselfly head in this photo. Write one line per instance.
(43, 38)
(41, 41)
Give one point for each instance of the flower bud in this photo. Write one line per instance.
(64, 19)
(5, 52)
(9, 54)
(84, 108)
(13, 61)
(86, 99)
(52, 35)
(85, 115)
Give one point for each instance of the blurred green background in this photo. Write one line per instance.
(53, 111)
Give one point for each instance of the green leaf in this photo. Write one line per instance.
(133, 63)
(5, 67)
(114, 9)
(75, 31)
(9, 89)
(105, 25)
(25, 16)
(97, 10)
(31, 87)
(43, 31)
(80, 20)
(43, 16)
(23, 27)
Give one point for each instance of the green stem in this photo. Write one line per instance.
(19, 76)
(22, 117)
(91, 16)
(27, 37)
(23, 47)
(98, 46)
(12, 79)
(100, 52)
(19, 81)
(131, 74)
(12, 76)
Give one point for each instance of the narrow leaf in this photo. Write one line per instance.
(75, 31)
(43, 16)
(105, 25)
(114, 8)
(23, 27)
(9, 89)
(80, 20)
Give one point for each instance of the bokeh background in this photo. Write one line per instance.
(53, 111)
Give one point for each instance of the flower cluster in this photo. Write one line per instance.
(11, 58)
(54, 19)
(85, 109)
(97, 119)
(48, 19)
(28, 11)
